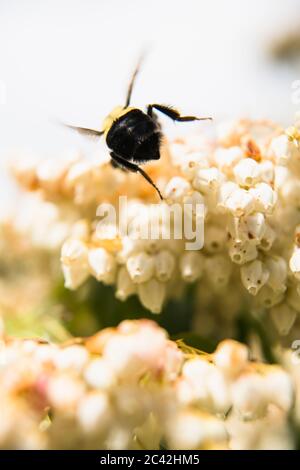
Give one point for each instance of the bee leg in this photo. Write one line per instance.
(129, 166)
(116, 165)
(172, 113)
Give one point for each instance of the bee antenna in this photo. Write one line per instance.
(132, 81)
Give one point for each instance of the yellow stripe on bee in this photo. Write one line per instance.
(116, 113)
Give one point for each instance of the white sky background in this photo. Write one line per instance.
(71, 60)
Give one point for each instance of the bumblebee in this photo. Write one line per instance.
(133, 136)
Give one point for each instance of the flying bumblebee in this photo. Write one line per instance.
(133, 136)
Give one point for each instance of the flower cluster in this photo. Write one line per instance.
(29, 232)
(247, 179)
(131, 387)
(247, 182)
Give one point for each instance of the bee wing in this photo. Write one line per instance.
(133, 77)
(85, 131)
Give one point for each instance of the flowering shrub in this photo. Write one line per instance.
(130, 386)
(247, 181)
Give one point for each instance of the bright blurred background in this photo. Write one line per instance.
(71, 60)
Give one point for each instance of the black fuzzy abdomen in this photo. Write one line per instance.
(135, 136)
